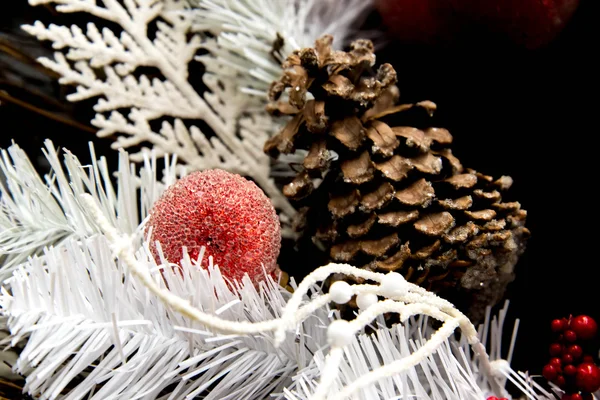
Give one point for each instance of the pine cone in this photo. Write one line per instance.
(390, 198)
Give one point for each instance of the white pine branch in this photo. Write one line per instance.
(247, 31)
(37, 212)
(79, 309)
(191, 145)
(153, 96)
(406, 299)
(451, 373)
(102, 63)
(84, 318)
(99, 48)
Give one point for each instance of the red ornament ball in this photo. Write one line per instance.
(227, 214)
(585, 327)
(587, 377)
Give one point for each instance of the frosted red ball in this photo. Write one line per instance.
(227, 214)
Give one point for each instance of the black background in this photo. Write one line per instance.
(530, 114)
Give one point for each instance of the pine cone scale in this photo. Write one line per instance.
(435, 224)
(349, 131)
(383, 137)
(396, 168)
(378, 198)
(397, 218)
(419, 193)
(358, 170)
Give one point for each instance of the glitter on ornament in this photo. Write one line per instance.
(227, 214)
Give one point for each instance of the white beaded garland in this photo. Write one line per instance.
(340, 292)
(394, 285)
(340, 333)
(500, 368)
(366, 300)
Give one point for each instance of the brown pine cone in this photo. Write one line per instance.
(390, 198)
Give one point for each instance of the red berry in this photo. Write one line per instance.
(575, 351)
(557, 325)
(557, 362)
(576, 396)
(587, 377)
(549, 372)
(567, 359)
(570, 336)
(570, 370)
(585, 327)
(492, 398)
(560, 381)
(588, 359)
(555, 349)
(224, 212)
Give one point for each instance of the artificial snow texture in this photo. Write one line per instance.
(224, 213)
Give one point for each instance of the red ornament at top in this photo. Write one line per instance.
(585, 327)
(227, 214)
(530, 23)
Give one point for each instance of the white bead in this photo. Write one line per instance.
(339, 333)
(366, 300)
(340, 292)
(394, 285)
(500, 367)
